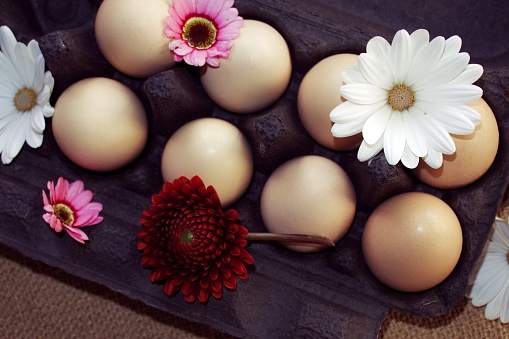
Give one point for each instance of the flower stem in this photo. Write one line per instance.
(303, 238)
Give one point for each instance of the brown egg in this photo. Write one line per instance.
(213, 149)
(308, 195)
(130, 34)
(255, 75)
(318, 95)
(473, 157)
(412, 241)
(100, 124)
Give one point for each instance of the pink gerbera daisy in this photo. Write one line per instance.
(202, 31)
(69, 207)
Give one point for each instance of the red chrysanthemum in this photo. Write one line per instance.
(191, 243)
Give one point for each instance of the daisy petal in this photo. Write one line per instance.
(37, 122)
(348, 112)
(452, 46)
(409, 159)
(352, 75)
(378, 46)
(472, 114)
(375, 125)
(38, 81)
(210, 8)
(445, 71)
(420, 39)
(433, 158)
(77, 234)
(33, 139)
(374, 71)
(470, 75)
(400, 56)
(81, 199)
(394, 139)
(363, 94)
(74, 189)
(348, 129)
(17, 138)
(451, 117)
(436, 135)
(7, 42)
(489, 291)
(426, 60)
(24, 64)
(415, 140)
(450, 94)
(367, 152)
(501, 234)
(34, 49)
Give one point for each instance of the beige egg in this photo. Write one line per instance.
(308, 195)
(474, 154)
(412, 241)
(213, 149)
(100, 124)
(130, 34)
(255, 75)
(318, 95)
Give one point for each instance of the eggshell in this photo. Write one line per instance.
(255, 75)
(100, 124)
(473, 157)
(213, 149)
(412, 241)
(308, 195)
(318, 95)
(130, 34)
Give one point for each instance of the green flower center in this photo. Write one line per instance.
(200, 33)
(64, 214)
(187, 237)
(25, 99)
(401, 97)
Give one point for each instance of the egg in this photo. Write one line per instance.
(318, 94)
(100, 124)
(213, 149)
(130, 35)
(474, 154)
(412, 241)
(308, 195)
(255, 75)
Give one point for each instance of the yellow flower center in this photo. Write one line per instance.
(200, 33)
(25, 99)
(64, 214)
(401, 97)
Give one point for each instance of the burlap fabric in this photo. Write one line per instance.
(39, 301)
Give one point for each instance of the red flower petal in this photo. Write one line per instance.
(203, 296)
(230, 282)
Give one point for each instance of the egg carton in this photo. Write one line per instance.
(326, 294)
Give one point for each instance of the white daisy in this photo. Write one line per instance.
(408, 97)
(491, 284)
(25, 90)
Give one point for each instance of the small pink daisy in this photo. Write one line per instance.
(202, 31)
(69, 207)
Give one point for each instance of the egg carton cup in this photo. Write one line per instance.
(288, 294)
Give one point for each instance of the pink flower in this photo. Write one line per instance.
(202, 31)
(69, 207)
